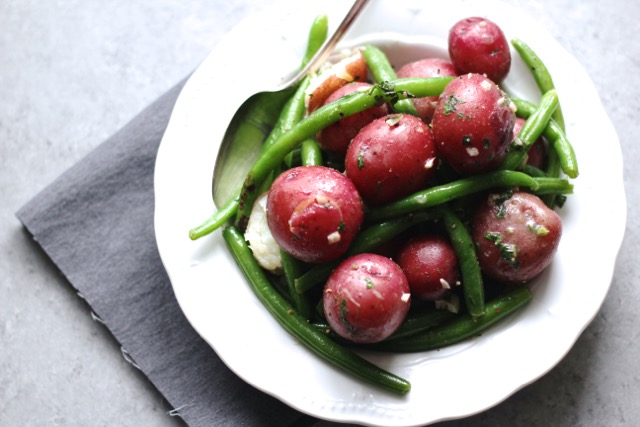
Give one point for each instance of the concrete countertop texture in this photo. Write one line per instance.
(73, 72)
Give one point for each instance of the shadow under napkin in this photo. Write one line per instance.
(96, 223)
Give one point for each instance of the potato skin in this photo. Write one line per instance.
(431, 266)
(353, 68)
(478, 45)
(516, 238)
(391, 157)
(337, 136)
(313, 213)
(366, 298)
(473, 124)
(426, 68)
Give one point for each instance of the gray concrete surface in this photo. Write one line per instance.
(73, 72)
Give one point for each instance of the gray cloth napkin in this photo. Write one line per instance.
(96, 223)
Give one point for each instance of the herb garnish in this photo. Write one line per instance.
(508, 251)
(360, 159)
(450, 104)
(499, 200)
(539, 230)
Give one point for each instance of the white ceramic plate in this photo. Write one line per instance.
(454, 382)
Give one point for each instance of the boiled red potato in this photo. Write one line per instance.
(537, 155)
(516, 236)
(391, 157)
(473, 124)
(478, 45)
(426, 68)
(337, 136)
(313, 213)
(366, 298)
(431, 266)
(349, 66)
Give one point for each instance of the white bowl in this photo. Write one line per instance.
(451, 383)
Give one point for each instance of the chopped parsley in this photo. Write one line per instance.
(342, 315)
(360, 159)
(499, 200)
(388, 89)
(389, 93)
(508, 251)
(369, 283)
(539, 230)
(450, 104)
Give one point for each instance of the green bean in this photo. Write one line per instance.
(419, 321)
(558, 144)
(557, 138)
(561, 157)
(298, 327)
(540, 74)
(548, 185)
(462, 327)
(367, 240)
(381, 69)
(217, 220)
(552, 170)
(293, 268)
(310, 152)
(316, 38)
(292, 112)
(531, 130)
(472, 284)
(533, 171)
(443, 193)
(326, 115)
(291, 160)
(416, 322)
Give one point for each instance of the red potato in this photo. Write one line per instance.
(478, 45)
(366, 298)
(516, 238)
(537, 155)
(313, 213)
(473, 124)
(426, 68)
(431, 266)
(352, 67)
(391, 157)
(337, 136)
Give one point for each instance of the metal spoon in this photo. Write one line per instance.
(228, 173)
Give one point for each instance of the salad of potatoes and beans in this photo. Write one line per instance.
(403, 207)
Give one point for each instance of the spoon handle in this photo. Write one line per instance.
(329, 45)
